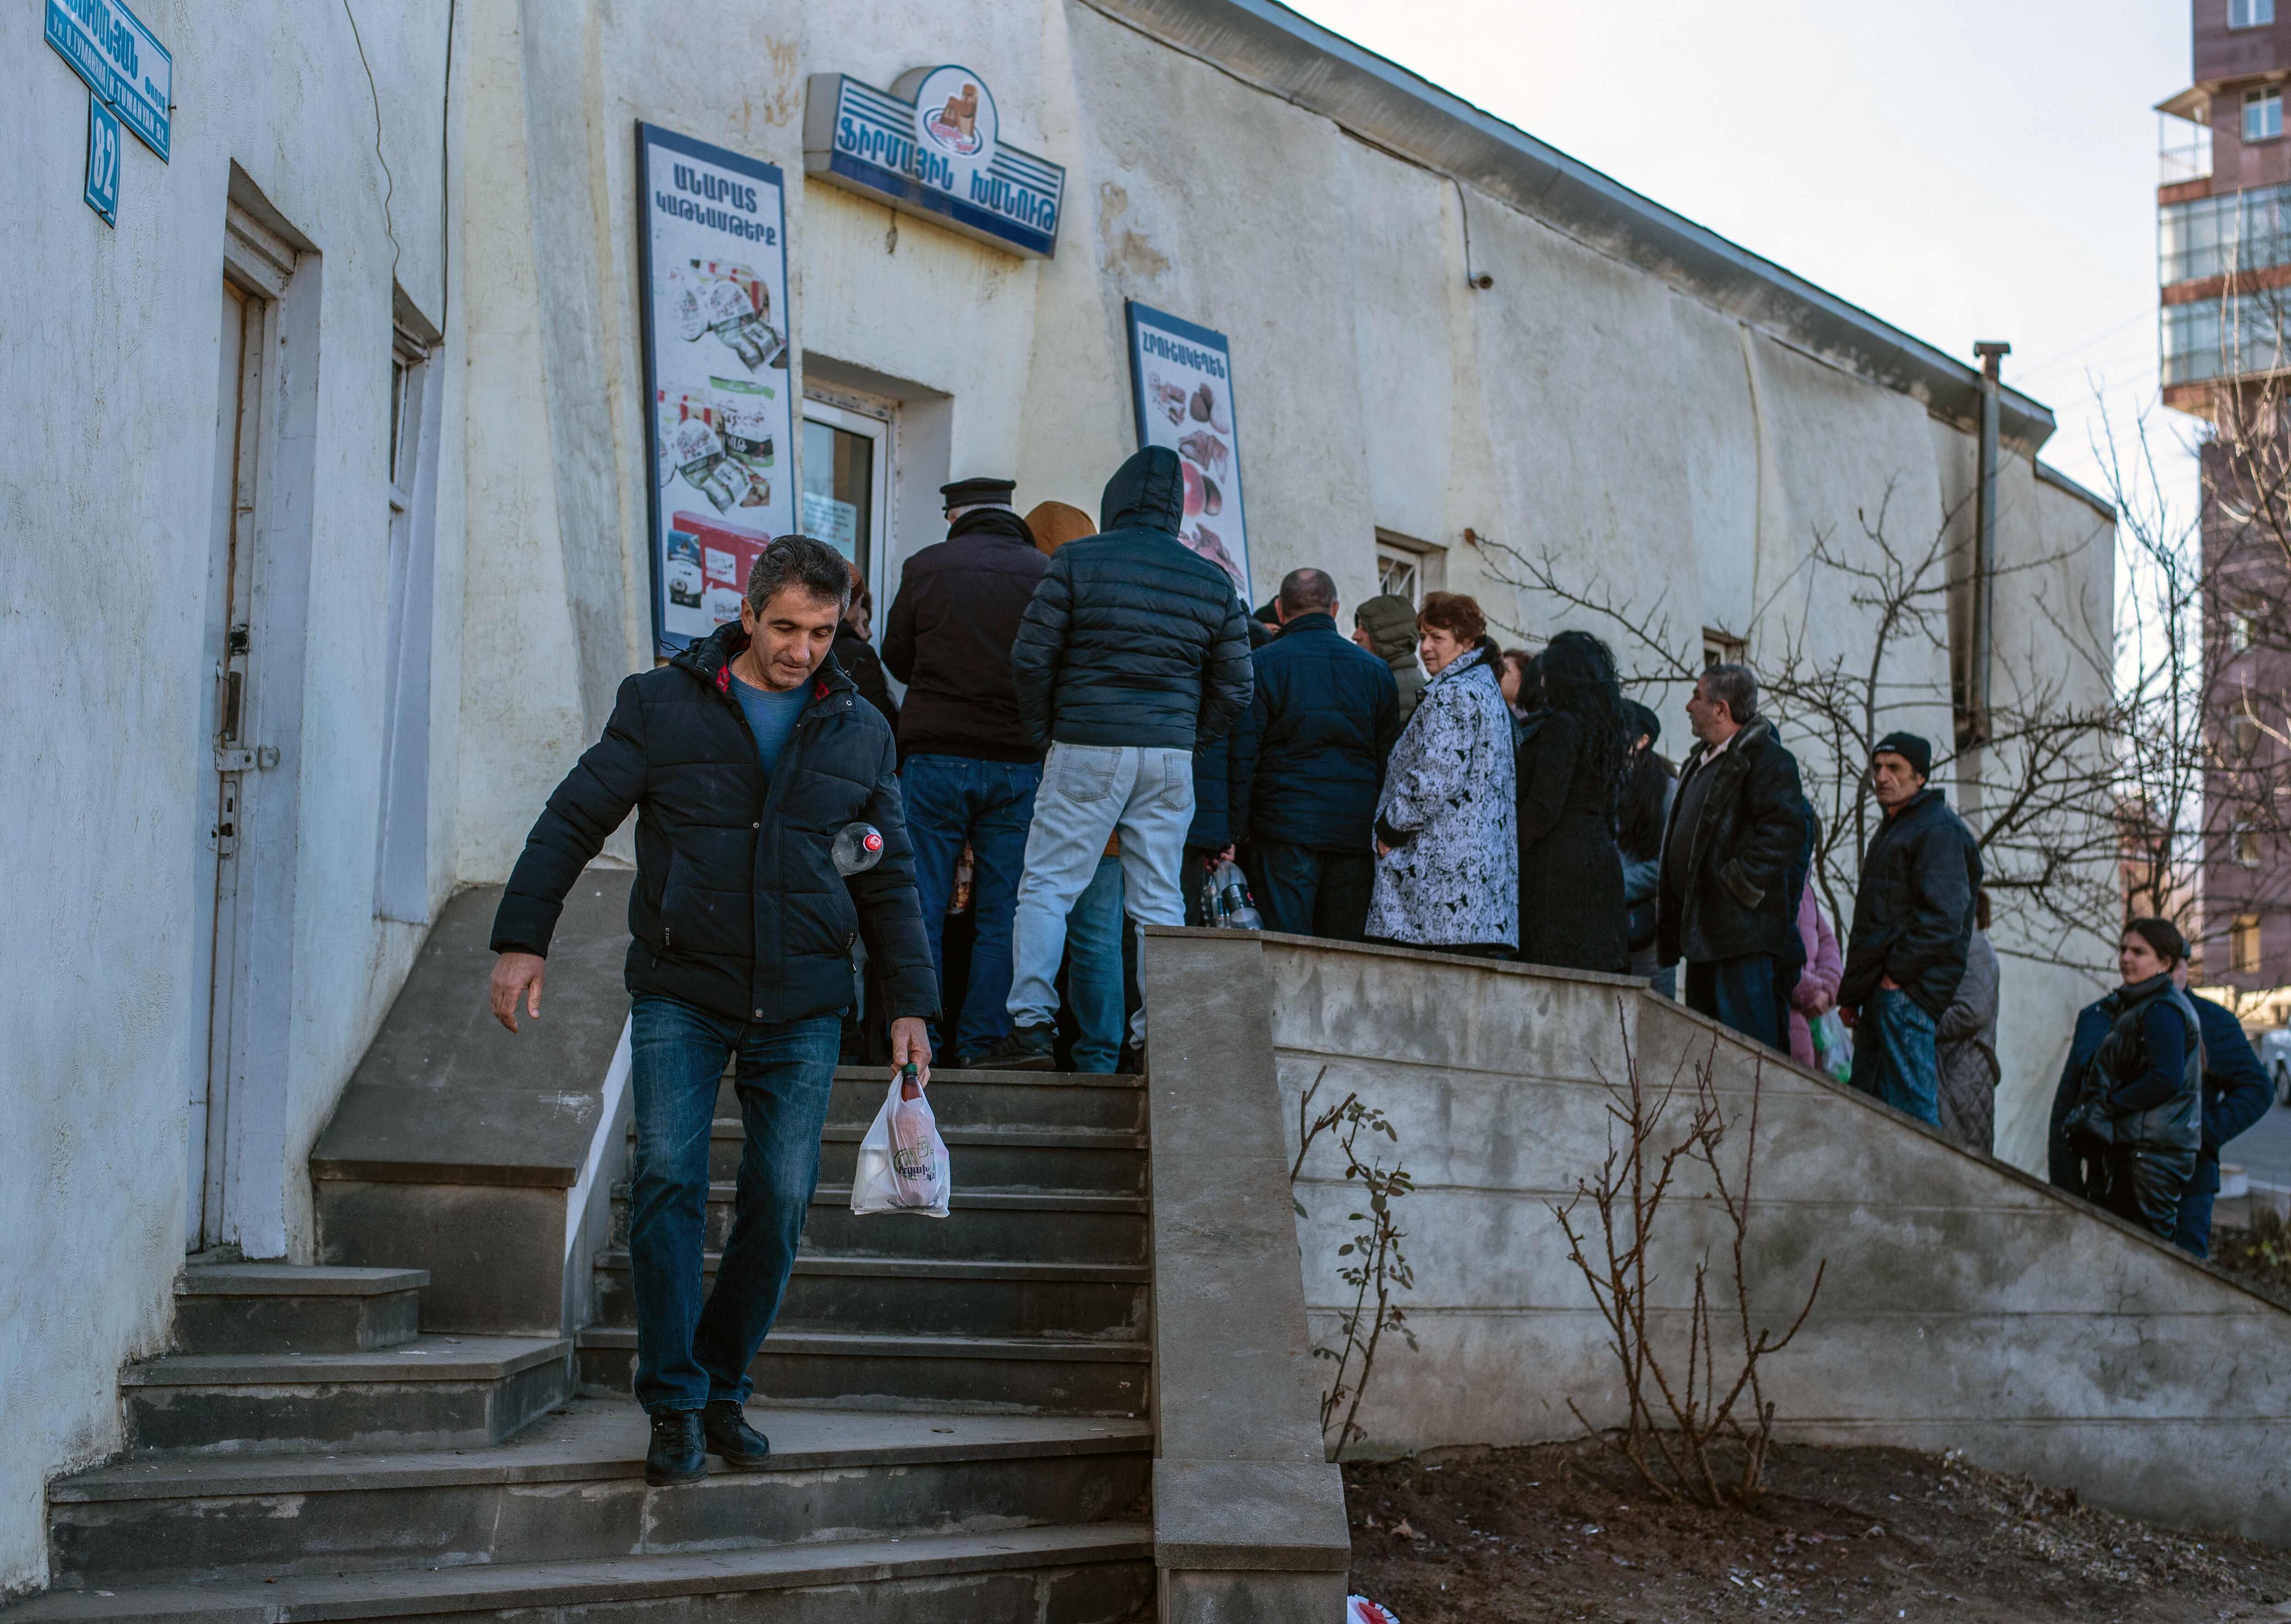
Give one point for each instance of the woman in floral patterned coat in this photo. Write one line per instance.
(1447, 843)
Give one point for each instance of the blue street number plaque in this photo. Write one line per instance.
(102, 161)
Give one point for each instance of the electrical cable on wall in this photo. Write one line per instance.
(389, 191)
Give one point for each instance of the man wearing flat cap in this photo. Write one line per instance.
(968, 766)
(1912, 930)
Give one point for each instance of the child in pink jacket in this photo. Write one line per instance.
(1817, 983)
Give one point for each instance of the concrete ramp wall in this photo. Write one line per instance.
(1965, 1305)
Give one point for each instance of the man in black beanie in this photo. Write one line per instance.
(1912, 929)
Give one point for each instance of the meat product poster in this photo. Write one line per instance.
(1182, 377)
(711, 255)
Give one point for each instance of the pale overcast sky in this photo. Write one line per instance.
(1963, 169)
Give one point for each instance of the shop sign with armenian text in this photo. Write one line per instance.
(931, 145)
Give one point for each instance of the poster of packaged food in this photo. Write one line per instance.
(1181, 375)
(712, 265)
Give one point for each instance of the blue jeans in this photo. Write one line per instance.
(1737, 993)
(950, 799)
(1089, 793)
(1893, 1056)
(690, 1351)
(1094, 969)
(1308, 892)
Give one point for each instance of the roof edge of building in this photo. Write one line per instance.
(1274, 49)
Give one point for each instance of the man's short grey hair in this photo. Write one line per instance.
(1734, 687)
(1305, 590)
(798, 561)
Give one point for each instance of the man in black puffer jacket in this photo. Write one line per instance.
(744, 757)
(1736, 824)
(1308, 764)
(1132, 651)
(1912, 929)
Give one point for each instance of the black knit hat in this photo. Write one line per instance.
(1910, 747)
(1643, 720)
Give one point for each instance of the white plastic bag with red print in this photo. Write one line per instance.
(1360, 1610)
(903, 1165)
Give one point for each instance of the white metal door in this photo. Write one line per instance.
(228, 714)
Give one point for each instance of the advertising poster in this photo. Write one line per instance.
(1182, 377)
(712, 264)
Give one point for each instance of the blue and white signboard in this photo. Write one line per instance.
(124, 63)
(103, 138)
(712, 262)
(932, 146)
(1182, 378)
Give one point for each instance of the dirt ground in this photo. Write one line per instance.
(1567, 1531)
(2260, 1258)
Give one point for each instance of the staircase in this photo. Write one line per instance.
(957, 1410)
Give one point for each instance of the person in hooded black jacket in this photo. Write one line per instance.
(1912, 929)
(1308, 764)
(2127, 1121)
(744, 757)
(1131, 652)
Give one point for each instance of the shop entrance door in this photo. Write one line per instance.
(229, 708)
(846, 465)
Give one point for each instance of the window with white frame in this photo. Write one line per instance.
(1722, 647)
(1406, 567)
(2250, 13)
(402, 842)
(2242, 944)
(2263, 113)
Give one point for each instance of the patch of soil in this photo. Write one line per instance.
(1567, 1531)
(2259, 1258)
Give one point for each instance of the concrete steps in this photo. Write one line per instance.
(956, 1408)
(572, 1489)
(1096, 1574)
(994, 1298)
(285, 1308)
(432, 1391)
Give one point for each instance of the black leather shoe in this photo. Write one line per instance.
(676, 1455)
(742, 1446)
(1025, 1049)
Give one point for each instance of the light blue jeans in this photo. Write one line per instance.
(1089, 794)
(1094, 969)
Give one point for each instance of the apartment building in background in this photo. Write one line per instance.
(2224, 252)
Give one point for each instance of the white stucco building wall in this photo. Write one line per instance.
(110, 350)
(1642, 400)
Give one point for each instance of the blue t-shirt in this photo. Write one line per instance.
(771, 718)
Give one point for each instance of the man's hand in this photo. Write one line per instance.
(1383, 851)
(910, 1041)
(514, 974)
(1850, 1016)
(1889, 984)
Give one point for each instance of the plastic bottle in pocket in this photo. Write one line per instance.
(859, 847)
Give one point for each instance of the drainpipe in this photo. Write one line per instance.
(1984, 545)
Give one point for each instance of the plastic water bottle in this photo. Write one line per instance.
(1237, 912)
(859, 847)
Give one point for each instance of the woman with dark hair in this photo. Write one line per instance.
(1523, 689)
(1570, 772)
(1447, 862)
(2127, 1121)
(1649, 780)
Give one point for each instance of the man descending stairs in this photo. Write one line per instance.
(956, 1408)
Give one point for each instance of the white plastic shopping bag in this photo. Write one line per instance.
(903, 1162)
(1360, 1610)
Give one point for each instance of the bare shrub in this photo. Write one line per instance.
(1680, 1416)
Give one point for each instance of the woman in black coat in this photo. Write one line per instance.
(1570, 767)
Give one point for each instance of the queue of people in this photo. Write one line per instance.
(1092, 727)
